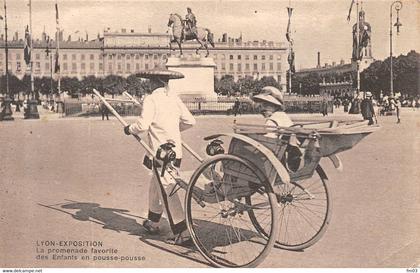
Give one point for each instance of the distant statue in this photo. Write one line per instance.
(186, 30)
(364, 37)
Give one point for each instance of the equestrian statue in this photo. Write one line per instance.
(187, 30)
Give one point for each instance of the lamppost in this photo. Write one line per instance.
(32, 111)
(398, 6)
(6, 111)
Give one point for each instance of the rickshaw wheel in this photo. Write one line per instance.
(216, 212)
(305, 212)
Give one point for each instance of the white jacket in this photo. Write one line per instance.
(164, 116)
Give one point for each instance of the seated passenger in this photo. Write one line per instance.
(270, 102)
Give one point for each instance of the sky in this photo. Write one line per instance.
(317, 25)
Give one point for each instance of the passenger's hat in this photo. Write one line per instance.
(270, 94)
(368, 94)
(159, 74)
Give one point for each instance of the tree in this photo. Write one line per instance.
(266, 81)
(247, 85)
(137, 86)
(405, 75)
(226, 86)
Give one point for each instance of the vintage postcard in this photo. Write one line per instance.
(178, 134)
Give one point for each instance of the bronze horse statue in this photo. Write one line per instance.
(181, 33)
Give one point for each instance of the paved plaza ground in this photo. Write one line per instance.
(48, 166)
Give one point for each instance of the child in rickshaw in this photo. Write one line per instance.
(271, 105)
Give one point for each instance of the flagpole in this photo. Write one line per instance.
(357, 47)
(60, 101)
(32, 111)
(6, 111)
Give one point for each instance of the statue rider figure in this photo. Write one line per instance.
(364, 36)
(191, 22)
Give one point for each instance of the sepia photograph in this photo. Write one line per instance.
(209, 133)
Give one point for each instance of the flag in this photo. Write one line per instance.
(57, 64)
(27, 46)
(47, 50)
(289, 12)
(351, 7)
(56, 13)
(291, 60)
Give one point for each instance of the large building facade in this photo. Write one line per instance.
(125, 52)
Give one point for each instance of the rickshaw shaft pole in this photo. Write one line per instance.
(122, 121)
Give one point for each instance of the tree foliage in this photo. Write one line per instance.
(405, 68)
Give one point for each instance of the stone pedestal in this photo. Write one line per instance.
(6, 109)
(199, 76)
(32, 110)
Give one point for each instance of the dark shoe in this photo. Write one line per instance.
(147, 224)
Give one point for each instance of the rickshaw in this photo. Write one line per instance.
(267, 188)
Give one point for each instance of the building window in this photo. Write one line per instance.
(146, 56)
(255, 57)
(73, 67)
(263, 66)
(73, 57)
(92, 57)
(255, 67)
(47, 66)
(137, 67)
(146, 66)
(137, 56)
(83, 66)
(239, 57)
(164, 57)
(239, 68)
(64, 57)
(155, 56)
(109, 57)
(230, 57)
(262, 57)
(119, 67)
(110, 67)
(271, 57)
(127, 56)
(128, 68)
(279, 66)
(17, 56)
(230, 67)
(246, 57)
(223, 57)
(247, 67)
(92, 67)
(37, 66)
(18, 68)
(82, 57)
(119, 57)
(101, 67)
(271, 67)
(223, 66)
(65, 66)
(37, 56)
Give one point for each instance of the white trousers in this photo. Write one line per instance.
(163, 199)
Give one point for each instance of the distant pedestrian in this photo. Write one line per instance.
(237, 107)
(346, 103)
(324, 107)
(104, 111)
(366, 107)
